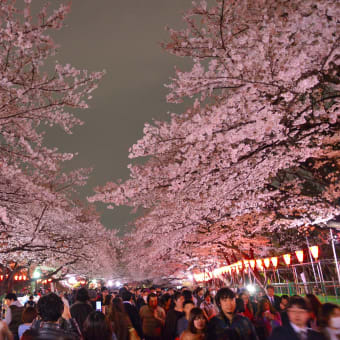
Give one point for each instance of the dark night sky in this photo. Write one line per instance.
(122, 37)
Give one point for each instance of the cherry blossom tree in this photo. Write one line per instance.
(41, 220)
(256, 156)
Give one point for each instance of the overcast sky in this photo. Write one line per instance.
(122, 37)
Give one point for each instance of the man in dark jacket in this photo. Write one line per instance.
(298, 314)
(82, 307)
(173, 316)
(50, 310)
(227, 324)
(273, 299)
(13, 313)
(132, 312)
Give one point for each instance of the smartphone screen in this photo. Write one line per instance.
(99, 305)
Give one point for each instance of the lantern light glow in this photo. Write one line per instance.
(299, 255)
(267, 262)
(315, 251)
(287, 259)
(274, 261)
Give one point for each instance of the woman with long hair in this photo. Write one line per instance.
(248, 309)
(197, 326)
(267, 318)
(316, 305)
(120, 321)
(208, 307)
(97, 327)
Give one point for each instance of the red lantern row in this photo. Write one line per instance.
(260, 263)
(16, 277)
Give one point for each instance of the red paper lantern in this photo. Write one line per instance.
(252, 264)
(259, 263)
(266, 262)
(299, 255)
(287, 259)
(274, 261)
(315, 251)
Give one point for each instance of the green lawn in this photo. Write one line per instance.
(329, 298)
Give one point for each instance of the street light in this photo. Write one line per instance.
(36, 274)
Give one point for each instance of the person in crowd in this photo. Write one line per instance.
(63, 296)
(165, 302)
(183, 322)
(173, 316)
(5, 333)
(93, 298)
(207, 306)
(121, 323)
(82, 307)
(13, 317)
(97, 327)
(274, 300)
(199, 296)
(132, 312)
(30, 302)
(316, 305)
(153, 318)
(104, 292)
(28, 315)
(188, 295)
(106, 304)
(197, 325)
(247, 306)
(267, 319)
(51, 325)
(228, 323)
(298, 313)
(284, 302)
(329, 321)
(30, 334)
(142, 299)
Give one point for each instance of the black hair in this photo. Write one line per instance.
(164, 299)
(151, 295)
(50, 307)
(207, 293)
(186, 302)
(126, 295)
(300, 302)
(187, 294)
(82, 295)
(103, 288)
(177, 295)
(97, 327)
(11, 296)
(270, 287)
(284, 297)
(195, 312)
(325, 314)
(223, 293)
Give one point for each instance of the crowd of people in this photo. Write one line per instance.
(168, 314)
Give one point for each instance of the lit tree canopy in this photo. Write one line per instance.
(41, 221)
(257, 153)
